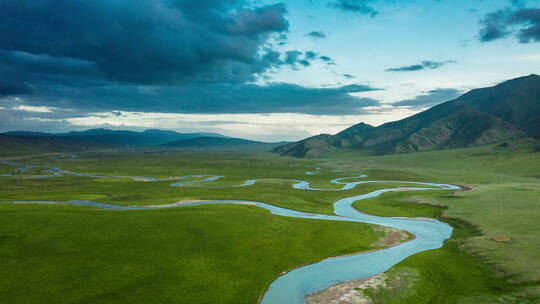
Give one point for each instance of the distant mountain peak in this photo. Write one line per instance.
(506, 111)
(363, 125)
(355, 130)
(531, 77)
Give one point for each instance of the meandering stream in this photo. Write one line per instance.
(293, 286)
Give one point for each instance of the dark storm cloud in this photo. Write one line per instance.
(12, 82)
(176, 56)
(494, 26)
(44, 64)
(424, 65)
(362, 7)
(529, 22)
(174, 41)
(211, 99)
(28, 70)
(522, 23)
(316, 35)
(10, 87)
(430, 98)
(518, 3)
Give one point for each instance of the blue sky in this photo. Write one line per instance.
(406, 33)
(264, 70)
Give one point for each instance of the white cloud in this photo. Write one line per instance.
(34, 109)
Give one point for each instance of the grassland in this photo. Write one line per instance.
(222, 254)
(5, 168)
(205, 254)
(235, 168)
(503, 204)
(215, 254)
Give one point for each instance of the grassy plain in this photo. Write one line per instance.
(5, 168)
(235, 168)
(229, 254)
(204, 254)
(217, 254)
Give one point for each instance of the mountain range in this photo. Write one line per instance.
(208, 142)
(508, 111)
(105, 139)
(149, 137)
(504, 112)
(18, 145)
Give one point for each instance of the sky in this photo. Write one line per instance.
(261, 69)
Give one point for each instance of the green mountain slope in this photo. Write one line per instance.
(220, 143)
(312, 147)
(503, 112)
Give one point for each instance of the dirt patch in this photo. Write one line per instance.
(346, 292)
(422, 202)
(501, 239)
(182, 202)
(463, 188)
(32, 202)
(393, 237)
(189, 201)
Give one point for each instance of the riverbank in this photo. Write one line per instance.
(502, 202)
(347, 292)
(431, 276)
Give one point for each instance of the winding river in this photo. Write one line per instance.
(292, 287)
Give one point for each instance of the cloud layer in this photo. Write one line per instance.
(168, 42)
(424, 65)
(206, 98)
(169, 56)
(521, 23)
(430, 98)
(315, 35)
(362, 7)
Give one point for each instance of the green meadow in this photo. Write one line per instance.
(217, 254)
(5, 169)
(231, 253)
(235, 169)
(204, 254)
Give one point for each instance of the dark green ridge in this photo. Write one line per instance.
(505, 112)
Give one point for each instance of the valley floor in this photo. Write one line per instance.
(203, 254)
(229, 254)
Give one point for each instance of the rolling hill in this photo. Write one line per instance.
(220, 143)
(22, 142)
(150, 137)
(506, 111)
(15, 145)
